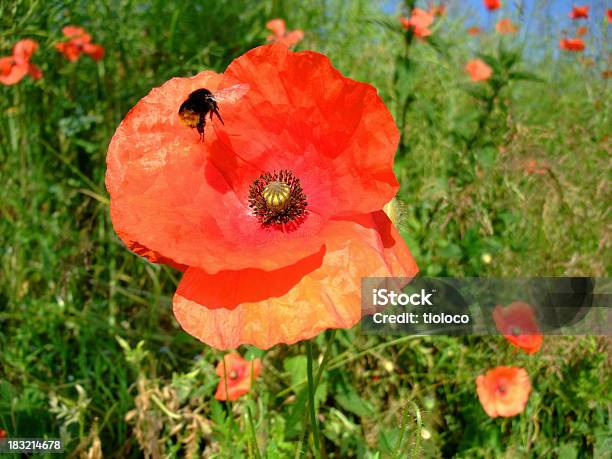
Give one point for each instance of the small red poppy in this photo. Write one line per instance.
(473, 31)
(533, 167)
(503, 391)
(2, 434)
(79, 43)
(505, 26)
(255, 272)
(438, 10)
(579, 12)
(280, 34)
(236, 376)
(609, 14)
(572, 44)
(492, 5)
(581, 31)
(419, 21)
(518, 324)
(14, 68)
(478, 70)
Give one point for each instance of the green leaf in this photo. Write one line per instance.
(350, 400)
(526, 76)
(492, 62)
(567, 451)
(296, 367)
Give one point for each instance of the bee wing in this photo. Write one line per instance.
(232, 94)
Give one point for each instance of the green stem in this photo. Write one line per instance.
(398, 444)
(417, 435)
(253, 434)
(346, 357)
(311, 400)
(326, 356)
(300, 452)
(484, 117)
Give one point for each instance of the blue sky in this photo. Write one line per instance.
(547, 19)
(560, 7)
(539, 9)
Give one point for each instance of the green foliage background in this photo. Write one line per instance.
(89, 349)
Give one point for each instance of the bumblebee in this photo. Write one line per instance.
(202, 102)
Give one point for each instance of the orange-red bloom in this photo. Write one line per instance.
(14, 68)
(518, 325)
(236, 376)
(533, 167)
(503, 391)
(581, 31)
(473, 31)
(419, 21)
(478, 70)
(505, 26)
(579, 12)
(609, 14)
(438, 10)
(572, 44)
(280, 34)
(2, 434)
(200, 204)
(492, 5)
(79, 43)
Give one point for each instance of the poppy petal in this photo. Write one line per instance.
(76, 32)
(167, 195)
(15, 73)
(188, 201)
(23, 51)
(228, 289)
(277, 26)
(231, 388)
(69, 50)
(301, 114)
(292, 38)
(34, 71)
(6, 65)
(328, 297)
(503, 391)
(96, 52)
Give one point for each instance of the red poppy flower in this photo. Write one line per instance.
(419, 20)
(572, 44)
(581, 31)
(503, 391)
(2, 434)
(236, 376)
(518, 325)
(478, 70)
(260, 271)
(606, 74)
(609, 14)
(473, 31)
(492, 5)
(438, 10)
(533, 167)
(280, 34)
(14, 68)
(579, 12)
(505, 26)
(79, 43)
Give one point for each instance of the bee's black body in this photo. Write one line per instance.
(193, 111)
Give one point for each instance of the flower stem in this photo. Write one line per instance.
(311, 400)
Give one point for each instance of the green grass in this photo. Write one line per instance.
(89, 349)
